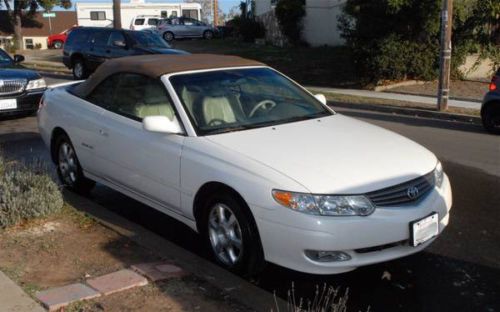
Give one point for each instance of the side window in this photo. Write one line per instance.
(115, 36)
(138, 96)
(188, 22)
(102, 95)
(139, 21)
(100, 38)
(152, 21)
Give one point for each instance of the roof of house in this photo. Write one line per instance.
(39, 26)
(157, 65)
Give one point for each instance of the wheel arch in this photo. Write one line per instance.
(75, 56)
(56, 133)
(488, 104)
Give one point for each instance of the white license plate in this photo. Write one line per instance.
(424, 229)
(8, 104)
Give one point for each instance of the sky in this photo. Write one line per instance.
(225, 5)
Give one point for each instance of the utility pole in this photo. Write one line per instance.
(117, 15)
(216, 13)
(445, 58)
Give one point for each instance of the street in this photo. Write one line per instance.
(460, 271)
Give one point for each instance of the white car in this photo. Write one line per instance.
(260, 167)
(144, 22)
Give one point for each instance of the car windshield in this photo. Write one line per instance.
(148, 40)
(4, 57)
(238, 99)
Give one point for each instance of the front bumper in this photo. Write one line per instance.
(27, 102)
(380, 237)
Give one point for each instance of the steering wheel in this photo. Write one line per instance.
(216, 122)
(266, 105)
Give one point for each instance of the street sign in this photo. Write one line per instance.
(48, 15)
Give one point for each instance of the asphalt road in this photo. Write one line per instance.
(459, 272)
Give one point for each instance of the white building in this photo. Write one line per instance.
(320, 21)
(101, 14)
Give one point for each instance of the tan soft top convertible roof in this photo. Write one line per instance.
(160, 64)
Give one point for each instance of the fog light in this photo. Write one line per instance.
(327, 256)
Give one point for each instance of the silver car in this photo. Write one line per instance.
(184, 27)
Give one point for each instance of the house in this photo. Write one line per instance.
(319, 24)
(35, 31)
(101, 14)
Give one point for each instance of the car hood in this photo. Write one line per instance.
(16, 72)
(333, 155)
(161, 50)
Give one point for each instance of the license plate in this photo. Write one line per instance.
(424, 229)
(8, 104)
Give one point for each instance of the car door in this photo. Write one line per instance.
(145, 163)
(191, 27)
(98, 44)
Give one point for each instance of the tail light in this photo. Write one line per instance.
(493, 84)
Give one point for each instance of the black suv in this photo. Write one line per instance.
(20, 88)
(88, 47)
(490, 111)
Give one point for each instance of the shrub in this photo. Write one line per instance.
(326, 299)
(248, 28)
(26, 192)
(289, 14)
(400, 39)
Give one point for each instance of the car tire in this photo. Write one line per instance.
(491, 118)
(69, 169)
(58, 44)
(168, 36)
(208, 35)
(80, 71)
(231, 235)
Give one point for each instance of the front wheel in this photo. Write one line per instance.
(58, 44)
(79, 69)
(168, 36)
(68, 167)
(231, 233)
(491, 118)
(208, 35)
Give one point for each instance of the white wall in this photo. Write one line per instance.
(320, 22)
(128, 11)
(42, 40)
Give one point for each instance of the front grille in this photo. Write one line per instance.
(381, 247)
(13, 86)
(398, 194)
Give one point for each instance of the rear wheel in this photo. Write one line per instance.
(68, 167)
(231, 234)
(491, 118)
(168, 36)
(79, 69)
(58, 44)
(208, 34)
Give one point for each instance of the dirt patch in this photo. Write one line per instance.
(70, 247)
(460, 89)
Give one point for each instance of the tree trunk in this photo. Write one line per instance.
(117, 16)
(18, 32)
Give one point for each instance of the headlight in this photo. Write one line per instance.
(325, 205)
(36, 84)
(438, 175)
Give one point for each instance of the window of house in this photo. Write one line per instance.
(173, 14)
(98, 15)
(164, 14)
(190, 13)
(28, 43)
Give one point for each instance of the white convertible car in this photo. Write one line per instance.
(260, 167)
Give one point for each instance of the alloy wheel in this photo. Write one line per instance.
(78, 70)
(225, 234)
(68, 164)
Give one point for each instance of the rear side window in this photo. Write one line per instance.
(103, 94)
(115, 36)
(139, 21)
(76, 36)
(152, 21)
(97, 15)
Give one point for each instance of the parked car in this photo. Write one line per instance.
(57, 41)
(88, 47)
(184, 27)
(490, 110)
(142, 22)
(20, 88)
(260, 167)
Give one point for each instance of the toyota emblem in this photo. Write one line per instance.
(412, 192)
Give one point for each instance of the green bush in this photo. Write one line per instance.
(400, 39)
(26, 192)
(289, 14)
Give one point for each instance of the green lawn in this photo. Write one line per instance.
(323, 66)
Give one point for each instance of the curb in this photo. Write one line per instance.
(414, 112)
(237, 288)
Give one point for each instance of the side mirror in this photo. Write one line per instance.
(161, 124)
(119, 43)
(321, 97)
(18, 58)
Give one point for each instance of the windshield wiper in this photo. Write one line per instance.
(226, 130)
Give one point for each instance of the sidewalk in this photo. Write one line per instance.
(14, 299)
(429, 100)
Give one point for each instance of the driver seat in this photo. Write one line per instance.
(217, 108)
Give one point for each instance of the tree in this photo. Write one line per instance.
(290, 14)
(117, 14)
(26, 10)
